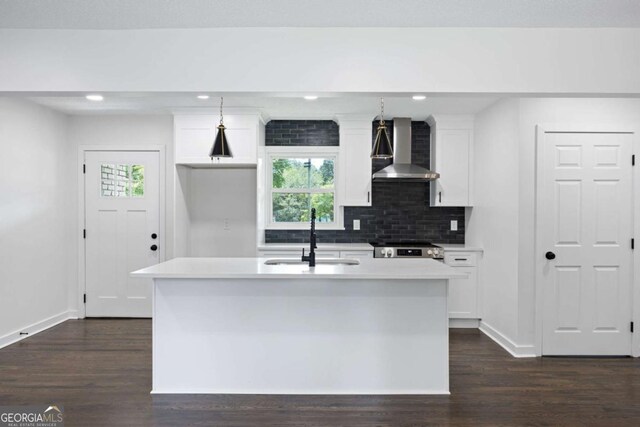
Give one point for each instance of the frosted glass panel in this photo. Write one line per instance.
(121, 180)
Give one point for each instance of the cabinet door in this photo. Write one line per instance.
(357, 254)
(194, 136)
(452, 148)
(355, 160)
(463, 295)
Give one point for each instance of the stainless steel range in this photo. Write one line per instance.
(407, 250)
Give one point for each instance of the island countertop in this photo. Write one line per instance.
(255, 268)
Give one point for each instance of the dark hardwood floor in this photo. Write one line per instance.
(100, 370)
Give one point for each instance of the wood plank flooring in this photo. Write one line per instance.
(100, 370)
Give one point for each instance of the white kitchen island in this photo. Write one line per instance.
(236, 325)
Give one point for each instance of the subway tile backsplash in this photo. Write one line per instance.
(400, 210)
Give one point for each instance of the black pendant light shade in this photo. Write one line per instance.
(220, 146)
(382, 148)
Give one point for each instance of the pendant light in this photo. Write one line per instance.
(382, 148)
(220, 145)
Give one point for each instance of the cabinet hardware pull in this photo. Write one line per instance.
(461, 259)
(439, 196)
(368, 196)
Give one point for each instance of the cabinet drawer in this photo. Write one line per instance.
(460, 259)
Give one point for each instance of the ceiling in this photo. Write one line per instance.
(272, 107)
(135, 14)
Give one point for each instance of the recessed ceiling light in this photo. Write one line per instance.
(310, 97)
(203, 96)
(419, 97)
(95, 97)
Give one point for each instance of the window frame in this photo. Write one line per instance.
(322, 152)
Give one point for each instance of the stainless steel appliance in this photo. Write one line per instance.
(407, 250)
(402, 169)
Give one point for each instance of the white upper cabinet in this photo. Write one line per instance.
(194, 135)
(355, 160)
(451, 157)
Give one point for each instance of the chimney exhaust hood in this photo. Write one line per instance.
(402, 169)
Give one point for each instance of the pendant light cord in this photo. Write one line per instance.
(221, 102)
(382, 111)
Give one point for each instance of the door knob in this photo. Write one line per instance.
(550, 255)
(154, 247)
(154, 236)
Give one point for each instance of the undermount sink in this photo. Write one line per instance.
(323, 261)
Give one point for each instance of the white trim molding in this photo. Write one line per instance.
(328, 152)
(514, 349)
(623, 128)
(464, 323)
(34, 328)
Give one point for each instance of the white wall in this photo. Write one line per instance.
(493, 221)
(560, 111)
(37, 232)
(120, 130)
(222, 212)
(503, 220)
(430, 60)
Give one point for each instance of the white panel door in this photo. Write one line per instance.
(122, 231)
(586, 220)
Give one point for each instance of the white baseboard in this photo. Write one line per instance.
(34, 328)
(464, 323)
(514, 349)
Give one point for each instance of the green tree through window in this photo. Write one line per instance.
(300, 184)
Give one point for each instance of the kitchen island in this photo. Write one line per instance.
(238, 325)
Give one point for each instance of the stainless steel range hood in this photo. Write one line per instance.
(402, 169)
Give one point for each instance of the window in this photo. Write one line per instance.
(122, 180)
(301, 181)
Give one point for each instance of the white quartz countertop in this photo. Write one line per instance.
(255, 268)
(321, 246)
(452, 247)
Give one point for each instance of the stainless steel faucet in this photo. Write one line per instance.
(311, 258)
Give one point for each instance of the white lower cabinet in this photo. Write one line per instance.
(463, 293)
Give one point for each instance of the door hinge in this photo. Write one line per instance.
(631, 327)
(84, 298)
(84, 233)
(84, 168)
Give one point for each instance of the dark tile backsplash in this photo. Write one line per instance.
(302, 132)
(400, 210)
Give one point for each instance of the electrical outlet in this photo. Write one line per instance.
(356, 224)
(454, 225)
